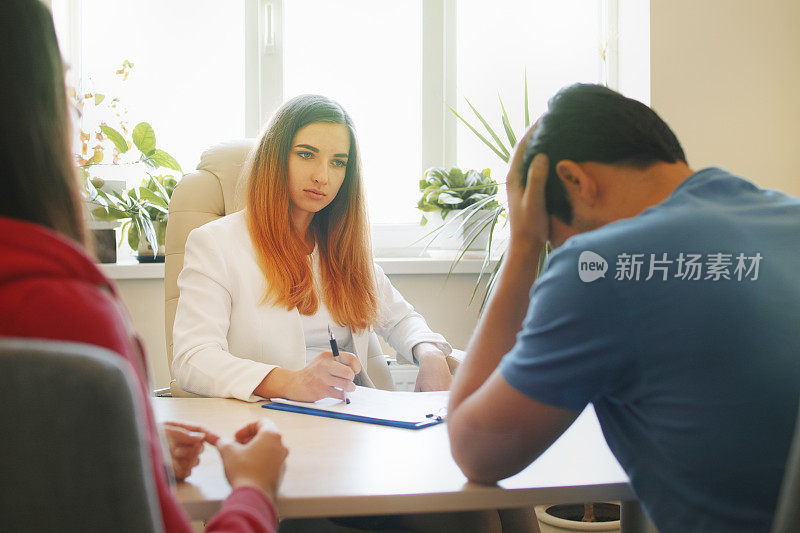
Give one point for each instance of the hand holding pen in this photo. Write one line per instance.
(335, 350)
(323, 377)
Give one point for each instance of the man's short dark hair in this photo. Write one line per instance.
(586, 122)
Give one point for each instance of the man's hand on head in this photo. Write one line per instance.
(526, 204)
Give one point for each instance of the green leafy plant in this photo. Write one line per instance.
(471, 195)
(497, 145)
(142, 209)
(447, 190)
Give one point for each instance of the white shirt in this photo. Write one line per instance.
(315, 327)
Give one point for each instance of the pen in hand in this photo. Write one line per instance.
(335, 350)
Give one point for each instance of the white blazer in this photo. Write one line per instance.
(227, 340)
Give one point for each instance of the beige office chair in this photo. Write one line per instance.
(209, 193)
(201, 196)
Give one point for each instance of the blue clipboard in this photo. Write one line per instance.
(432, 420)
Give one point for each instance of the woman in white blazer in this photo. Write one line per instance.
(259, 287)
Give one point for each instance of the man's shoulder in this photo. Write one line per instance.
(591, 258)
(705, 204)
(576, 275)
(596, 246)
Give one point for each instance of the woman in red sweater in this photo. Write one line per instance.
(51, 289)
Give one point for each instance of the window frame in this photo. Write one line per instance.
(263, 40)
(264, 65)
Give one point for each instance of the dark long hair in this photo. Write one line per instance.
(341, 229)
(37, 173)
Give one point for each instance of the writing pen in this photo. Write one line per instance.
(335, 350)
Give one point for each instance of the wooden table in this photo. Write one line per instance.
(341, 468)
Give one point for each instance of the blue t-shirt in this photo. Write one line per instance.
(688, 345)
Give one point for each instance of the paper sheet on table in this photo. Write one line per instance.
(386, 405)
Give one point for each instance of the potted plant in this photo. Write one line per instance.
(119, 152)
(601, 516)
(467, 199)
(499, 148)
(104, 235)
(144, 210)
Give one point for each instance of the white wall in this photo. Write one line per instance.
(443, 304)
(144, 299)
(725, 76)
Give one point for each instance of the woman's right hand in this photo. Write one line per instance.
(323, 377)
(256, 458)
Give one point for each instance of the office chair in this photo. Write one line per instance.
(201, 196)
(74, 454)
(787, 514)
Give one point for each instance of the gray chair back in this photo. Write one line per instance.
(74, 453)
(787, 514)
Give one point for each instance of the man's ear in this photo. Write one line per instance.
(579, 184)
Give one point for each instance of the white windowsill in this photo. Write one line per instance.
(434, 263)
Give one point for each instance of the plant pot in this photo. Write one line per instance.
(456, 234)
(564, 518)
(144, 254)
(104, 240)
(105, 245)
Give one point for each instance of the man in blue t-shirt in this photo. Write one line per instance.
(671, 303)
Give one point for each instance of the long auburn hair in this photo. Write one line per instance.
(39, 183)
(341, 229)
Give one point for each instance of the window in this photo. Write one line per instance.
(207, 71)
(367, 56)
(188, 76)
(570, 32)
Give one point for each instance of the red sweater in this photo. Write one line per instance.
(50, 289)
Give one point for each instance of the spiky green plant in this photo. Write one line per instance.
(499, 148)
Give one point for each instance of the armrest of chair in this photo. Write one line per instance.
(454, 359)
(177, 392)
